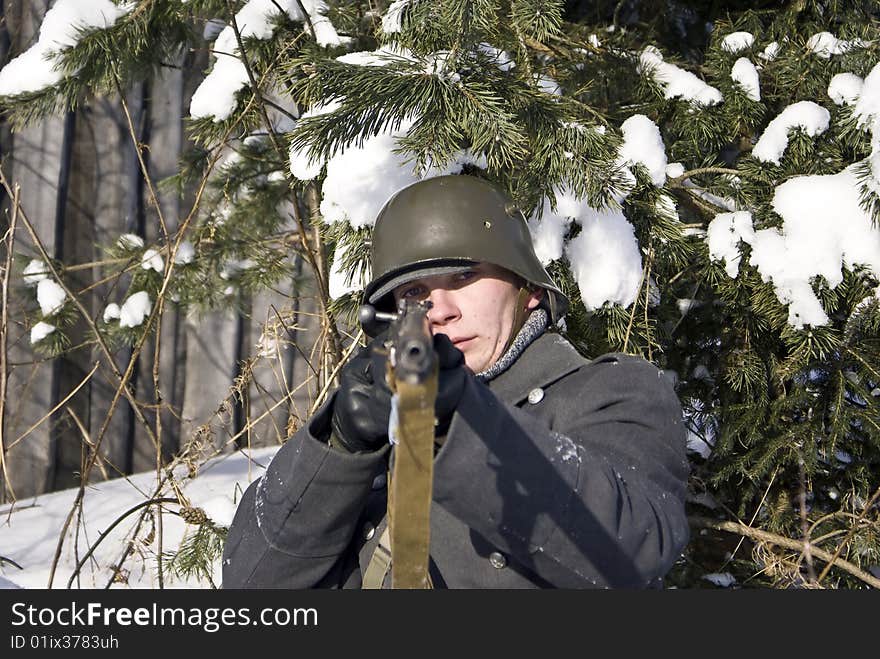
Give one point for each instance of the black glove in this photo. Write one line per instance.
(451, 377)
(363, 402)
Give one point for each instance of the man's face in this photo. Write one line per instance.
(474, 308)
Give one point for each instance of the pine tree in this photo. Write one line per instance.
(655, 148)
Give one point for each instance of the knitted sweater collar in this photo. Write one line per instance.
(534, 326)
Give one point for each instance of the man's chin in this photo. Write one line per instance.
(475, 366)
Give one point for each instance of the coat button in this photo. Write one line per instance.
(497, 559)
(369, 531)
(536, 396)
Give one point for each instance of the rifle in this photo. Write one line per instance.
(412, 377)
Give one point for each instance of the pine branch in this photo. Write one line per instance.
(833, 560)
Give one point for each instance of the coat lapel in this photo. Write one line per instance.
(545, 360)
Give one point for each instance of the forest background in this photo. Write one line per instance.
(189, 189)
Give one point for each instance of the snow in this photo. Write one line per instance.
(643, 144)
(212, 28)
(745, 73)
(723, 236)
(361, 178)
(35, 272)
(130, 241)
(867, 112)
(605, 259)
(811, 117)
(40, 331)
(674, 170)
(134, 309)
(37, 67)
(825, 44)
(152, 260)
(770, 52)
(325, 32)
(111, 312)
(737, 41)
(50, 296)
(215, 96)
(301, 166)
(391, 21)
(501, 58)
(845, 88)
(31, 528)
(666, 207)
(868, 104)
(548, 85)
(722, 579)
(548, 233)
(824, 229)
(677, 82)
(185, 253)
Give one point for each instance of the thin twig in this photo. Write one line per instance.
(122, 387)
(307, 17)
(143, 165)
(650, 258)
(255, 88)
(314, 256)
(851, 533)
(632, 315)
(4, 310)
(157, 395)
(113, 525)
(58, 406)
(123, 379)
(781, 541)
(802, 502)
(84, 434)
(754, 515)
(705, 170)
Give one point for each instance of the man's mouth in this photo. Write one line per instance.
(462, 341)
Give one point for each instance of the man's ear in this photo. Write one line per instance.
(534, 298)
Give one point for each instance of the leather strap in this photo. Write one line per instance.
(411, 489)
(380, 563)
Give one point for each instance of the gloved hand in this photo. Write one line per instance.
(451, 378)
(363, 402)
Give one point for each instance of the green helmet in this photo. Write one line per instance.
(446, 224)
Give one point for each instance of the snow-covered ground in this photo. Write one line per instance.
(30, 529)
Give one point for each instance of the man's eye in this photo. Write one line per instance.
(414, 291)
(467, 275)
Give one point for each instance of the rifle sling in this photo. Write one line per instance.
(411, 487)
(380, 563)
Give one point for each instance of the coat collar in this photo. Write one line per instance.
(545, 360)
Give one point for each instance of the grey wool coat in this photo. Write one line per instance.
(561, 472)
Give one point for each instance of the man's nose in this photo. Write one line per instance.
(444, 308)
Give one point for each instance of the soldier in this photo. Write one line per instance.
(550, 470)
